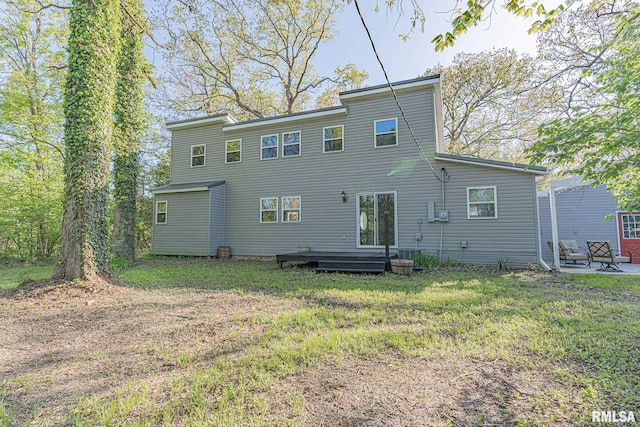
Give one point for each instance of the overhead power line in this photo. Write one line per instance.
(393, 91)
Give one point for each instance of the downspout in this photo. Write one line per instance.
(554, 227)
(540, 260)
(442, 175)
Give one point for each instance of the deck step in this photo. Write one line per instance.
(352, 266)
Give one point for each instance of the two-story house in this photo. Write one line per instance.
(323, 179)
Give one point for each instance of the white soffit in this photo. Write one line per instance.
(288, 118)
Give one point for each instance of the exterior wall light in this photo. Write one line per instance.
(344, 197)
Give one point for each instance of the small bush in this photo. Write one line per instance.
(429, 262)
(119, 264)
(503, 264)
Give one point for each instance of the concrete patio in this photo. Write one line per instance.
(627, 269)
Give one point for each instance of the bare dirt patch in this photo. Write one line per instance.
(61, 341)
(399, 391)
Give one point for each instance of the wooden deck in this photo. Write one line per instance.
(356, 262)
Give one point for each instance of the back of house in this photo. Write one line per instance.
(323, 180)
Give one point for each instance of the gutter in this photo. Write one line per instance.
(540, 260)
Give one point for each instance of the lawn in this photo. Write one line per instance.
(188, 341)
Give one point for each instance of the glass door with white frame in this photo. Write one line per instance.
(370, 214)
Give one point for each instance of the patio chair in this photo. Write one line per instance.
(570, 251)
(602, 252)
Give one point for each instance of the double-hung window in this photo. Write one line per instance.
(269, 147)
(198, 153)
(291, 209)
(386, 132)
(333, 139)
(269, 209)
(233, 151)
(482, 202)
(291, 144)
(161, 212)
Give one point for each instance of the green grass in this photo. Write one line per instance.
(582, 331)
(11, 277)
(5, 417)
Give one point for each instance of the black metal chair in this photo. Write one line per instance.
(602, 252)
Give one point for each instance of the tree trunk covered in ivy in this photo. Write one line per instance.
(88, 110)
(128, 129)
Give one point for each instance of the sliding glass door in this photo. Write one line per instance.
(370, 215)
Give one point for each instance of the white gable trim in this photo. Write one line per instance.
(380, 90)
(180, 190)
(491, 165)
(285, 119)
(226, 118)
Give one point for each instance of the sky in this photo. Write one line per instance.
(409, 59)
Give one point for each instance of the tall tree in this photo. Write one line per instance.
(129, 122)
(250, 57)
(601, 137)
(574, 50)
(30, 127)
(88, 109)
(492, 108)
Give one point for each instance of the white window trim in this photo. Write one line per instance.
(395, 213)
(299, 144)
(324, 140)
(375, 134)
(226, 151)
(166, 209)
(269, 210)
(277, 147)
(204, 154)
(628, 215)
(299, 208)
(495, 202)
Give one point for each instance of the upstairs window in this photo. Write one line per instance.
(161, 212)
(333, 139)
(269, 209)
(291, 144)
(386, 132)
(269, 147)
(291, 209)
(482, 202)
(233, 151)
(198, 153)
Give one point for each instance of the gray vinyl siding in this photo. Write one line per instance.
(187, 229)
(328, 223)
(580, 213)
(319, 178)
(511, 236)
(217, 209)
(212, 137)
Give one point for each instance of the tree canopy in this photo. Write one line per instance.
(492, 105)
(600, 138)
(254, 58)
(31, 80)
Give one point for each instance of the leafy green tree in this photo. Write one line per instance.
(491, 106)
(30, 128)
(129, 125)
(88, 109)
(253, 58)
(600, 139)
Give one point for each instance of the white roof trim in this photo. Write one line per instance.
(284, 119)
(180, 190)
(385, 89)
(490, 165)
(201, 122)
